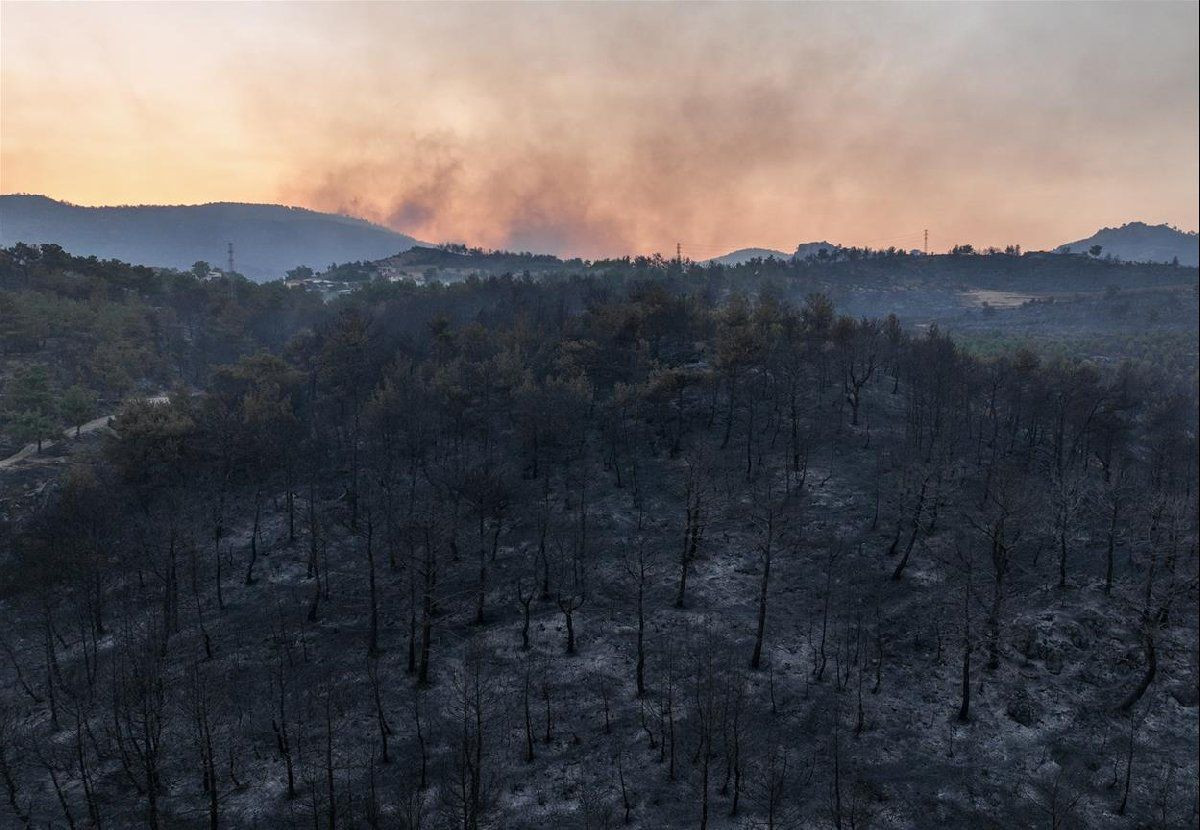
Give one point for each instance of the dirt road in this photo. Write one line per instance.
(31, 450)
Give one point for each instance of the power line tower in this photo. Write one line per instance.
(679, 252)
(229, 270)
(927, 242)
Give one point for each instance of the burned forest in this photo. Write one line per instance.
(662, 547)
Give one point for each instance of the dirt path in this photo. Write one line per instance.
(31, 450)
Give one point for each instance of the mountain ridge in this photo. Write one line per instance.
(268, 239)
(1140, 242)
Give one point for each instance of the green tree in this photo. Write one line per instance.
(22, 327)
(817, 313)
(30, 426)
(30, 389)
(29, 405)
(152, 444)
(108, 368)
(76, 406)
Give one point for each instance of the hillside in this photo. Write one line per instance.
(805, 250)
(450, 262)
(1139, 242)
(268, 239)
(742, 255)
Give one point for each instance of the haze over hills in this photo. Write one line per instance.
(1139, 242)
(268, 239)
(271, 239)
(1132, 242)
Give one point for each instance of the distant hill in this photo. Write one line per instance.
(745, 255)
(450, 263)
(1139, 242)
(804, 250)
(461, 257)
(813, 249)
(267, 239)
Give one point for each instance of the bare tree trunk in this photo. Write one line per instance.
(640, 670)
(529, 754)
(1111, 547)
(331, 794)
(1128, 769)
(373, 633)
(964, 709)
(249, 580)
(916, 528)
(756, 656)
(1147, 678)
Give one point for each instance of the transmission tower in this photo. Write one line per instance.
(927, 242)
(229, 270)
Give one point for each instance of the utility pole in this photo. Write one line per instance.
(229, 270)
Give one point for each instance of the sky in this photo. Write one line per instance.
(604, 129)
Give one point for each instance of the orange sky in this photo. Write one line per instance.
(600, 129)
